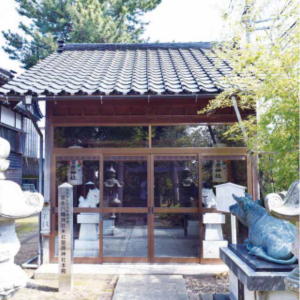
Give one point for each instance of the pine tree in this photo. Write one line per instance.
(76, 21)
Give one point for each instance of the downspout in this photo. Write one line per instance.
(212, 135)
(239, 118)
(242, 127)
(41, 187)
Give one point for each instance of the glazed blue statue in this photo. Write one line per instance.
(269, 238)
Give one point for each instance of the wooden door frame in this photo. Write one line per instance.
(229, 153)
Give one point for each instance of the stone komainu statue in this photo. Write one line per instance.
(269, 238)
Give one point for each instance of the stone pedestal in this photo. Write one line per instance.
(288, 208)
(247, 284)
(88, 226)
(88, 243)
(213, 235)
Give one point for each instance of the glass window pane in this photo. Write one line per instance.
(176, 181)
(215, 172)
(125, 235)
(176, 235)
(83, 175)
(229, 177)
(125, 181)
(192, 136)
(100, 137)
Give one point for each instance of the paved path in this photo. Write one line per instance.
(150, 287)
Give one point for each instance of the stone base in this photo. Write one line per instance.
(213, 232)
(213, 218)
(247, 294)
(88, 218)
(245, 283)
(211, 249)
(86, 248)
(88, 232)
(256, 263)
(12, 278)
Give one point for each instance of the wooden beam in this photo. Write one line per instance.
(141, 119)
(203, 152)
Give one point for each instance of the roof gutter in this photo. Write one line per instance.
(108, 97)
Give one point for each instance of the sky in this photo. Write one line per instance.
(171, 21)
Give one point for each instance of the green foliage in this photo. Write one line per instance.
(77, 21)
(265, 78)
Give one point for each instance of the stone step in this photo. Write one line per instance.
(86, 271)
(150, 287)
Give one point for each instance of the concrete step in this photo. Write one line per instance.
(86, 271)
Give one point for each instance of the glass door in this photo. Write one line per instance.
(125, 198)
(175, 215)
(84, 174)
(145, 208)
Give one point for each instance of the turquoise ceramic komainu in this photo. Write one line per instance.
(269, 238)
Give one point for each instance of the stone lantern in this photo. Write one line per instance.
(287, 207)
(14, 204)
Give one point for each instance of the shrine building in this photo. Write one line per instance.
(123, 128)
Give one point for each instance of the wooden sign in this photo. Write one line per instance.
(75, 172)
(65, 236)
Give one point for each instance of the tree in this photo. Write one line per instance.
(76, 21)
(265, 77)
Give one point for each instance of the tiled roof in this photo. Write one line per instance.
(123, 69)
(5, 76)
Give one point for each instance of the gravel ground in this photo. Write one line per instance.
(27, 231)
(102, 289)
(197, 285)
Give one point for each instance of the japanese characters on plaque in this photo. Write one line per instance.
(45, 219)
(75, 172)
(219, 171)
(65, 235)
